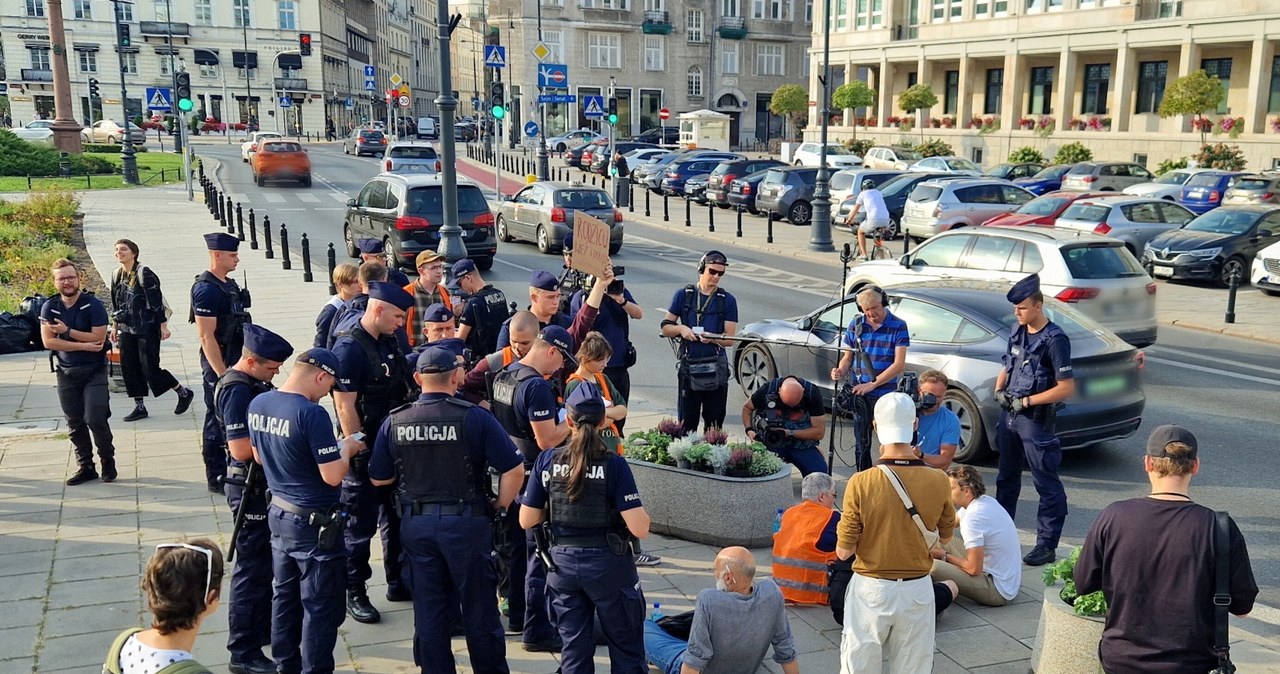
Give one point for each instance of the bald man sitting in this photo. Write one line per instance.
(733, 625)
(788, 416)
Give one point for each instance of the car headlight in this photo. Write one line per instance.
(1204, 252)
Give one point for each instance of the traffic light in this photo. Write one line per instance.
(496, 98)
(93, 88)
(304, 43)
(122, 35)
(613, 110)
(182, 92)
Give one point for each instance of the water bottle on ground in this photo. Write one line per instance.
(657, 612)
(777, 522)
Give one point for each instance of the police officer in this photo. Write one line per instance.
(794, 413)
(703, 374)
(525, 404)
(372, 250)
(292, 437)
(544, 301)
(219, 310)
(375, 381)
(437, 451)
(249, 615)
(483, 312)
(1035, 377)
(437, 325)
(595, 511)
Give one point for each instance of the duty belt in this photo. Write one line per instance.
(288, 507)
(453, 508)
(596, 541)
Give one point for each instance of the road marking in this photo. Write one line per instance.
(1214, 370)
(338, 196)
(274, 198)
(308, 198)
(767, 275)
(1212, 359)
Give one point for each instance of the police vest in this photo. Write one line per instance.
(779, 415)
(1031, 371)
(799, 568)
(499, 360)
(431, 452)
(229, 331)
(346, 319)
(233, 377)
(490, 312)
(592, 512)
(610, 434)
(506, 384)
(387, 385)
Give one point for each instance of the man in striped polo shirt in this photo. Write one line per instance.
(884, 339)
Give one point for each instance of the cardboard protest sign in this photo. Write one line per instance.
(590, 244)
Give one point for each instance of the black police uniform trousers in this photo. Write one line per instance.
(249, 599)
(590, 582)
(140, 363)
(447, 563)
(528, 609)
(372, 510)
(1020, 439)
(213, 444)
(86, 403)
(308, 606)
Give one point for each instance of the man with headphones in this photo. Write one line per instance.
(875, 352)
(788, 416)
(698, 315)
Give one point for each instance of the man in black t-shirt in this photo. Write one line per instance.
(1153, 558)
(792, 410)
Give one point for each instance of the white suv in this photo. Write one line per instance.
(808, 154)
(1096, 274)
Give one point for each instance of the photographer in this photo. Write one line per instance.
(788, 416)
(938, 435)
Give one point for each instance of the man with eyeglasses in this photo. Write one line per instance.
(426, 291)
(699, 314)
(73, 325)
(292, 437)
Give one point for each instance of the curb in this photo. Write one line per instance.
(1223, 330)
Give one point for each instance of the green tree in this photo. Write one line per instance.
(1026, 153)
(1192, 94)
(790, 101)
(855, 94)
(1072, 153)
(915, 98)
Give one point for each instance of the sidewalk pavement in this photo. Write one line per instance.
(71, 556)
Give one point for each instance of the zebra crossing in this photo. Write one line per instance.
(821, 287)
(310, 200)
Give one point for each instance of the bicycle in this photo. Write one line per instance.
(879, 251)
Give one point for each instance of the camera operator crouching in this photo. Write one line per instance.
(788, 416)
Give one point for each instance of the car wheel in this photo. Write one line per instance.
(346, 150)
(1270, 293)
(350, 241)
(484, 263)
(724, 206)
(755, 368)
(503, 235)
(797, 163)
(262, 181)
(895, 229)
(244, 159)
(799, 213)
(973, 440)
(561, 147)
(306, 181)
(544, 241)
(1233, 266)
(111, 140)
(614, 248)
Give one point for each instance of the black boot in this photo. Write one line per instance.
(139, 412)
(85, 474)
(109, 473)
(185, 396)
(358, 605)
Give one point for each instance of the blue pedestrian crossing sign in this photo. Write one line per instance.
(349, 104)
(593, 106)
(495, 56)
(531, 129)
(160, 99)
(286, 102)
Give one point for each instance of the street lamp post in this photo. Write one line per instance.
(128, 160)
(820, 229)
(173, 77)
(451, 246)
(544, 162)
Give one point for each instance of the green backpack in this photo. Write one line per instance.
(112, 664)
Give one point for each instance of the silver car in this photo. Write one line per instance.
(1254, 189)
(1110, 176)
(897, 158)
(956, 165)
(1168, 186)
(543, 213)
(1133, 220)
(935, 206)
(411, 158)
(848, 183)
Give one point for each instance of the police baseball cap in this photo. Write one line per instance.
(370, 247)
(325, 360)
(438, 358)
(895, 416)
(585, 403)
(1160, 438)
(390, 293)
(437, 313)
(221, 241)
(1023, 289)
(568, 242)
(463, 267)
(266, 344)
(543, 280)
(559, 337)
(427, 257)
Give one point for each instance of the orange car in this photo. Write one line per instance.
(281, 160)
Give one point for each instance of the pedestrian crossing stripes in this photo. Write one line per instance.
(764, 274)
(274, 198)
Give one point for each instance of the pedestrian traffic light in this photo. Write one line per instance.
(613, 110)
(93, 88)
(496, 91)
(122, 35)
(304, 43)
(182, 92)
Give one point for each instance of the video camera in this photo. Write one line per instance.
(909, 383)
(616, 286)
(769, 434)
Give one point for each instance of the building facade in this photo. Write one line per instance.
(1052, 72)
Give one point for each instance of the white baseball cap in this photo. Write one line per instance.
(895, 417)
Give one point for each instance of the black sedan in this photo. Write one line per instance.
(962, 329)
(743, 191)
(1214, 246)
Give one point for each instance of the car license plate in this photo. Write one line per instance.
(1161, 271)
(1108, 385)
(414, 168)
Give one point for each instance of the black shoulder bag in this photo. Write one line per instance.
(1222, 593)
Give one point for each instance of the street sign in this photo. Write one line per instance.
(371, 85)
(349, 104)
(557, 98)
(593, 106)
(404, 101)
(531, 129)
(396, 79)
(286, 102)
(160, 98)
(495, 56)
(664, 114)
(370, 78)
(370, 72)
(403, 90)
(553, 76)
(541, 51)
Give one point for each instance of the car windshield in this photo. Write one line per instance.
(428, 202)
(583, 199)
(962, 165)
(835, 148)
(412, 152)
(1172, 178)
(1081, 169)
(1219, 221)
(1082, 211)
(1043, 206)
(1051, 172)
(1101, 261)
(282, 147)
(925, 193)
(1204, 180)
(1252, 184)
(898, 184)
(907, 155)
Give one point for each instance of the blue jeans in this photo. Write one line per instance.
(663, 650)
(807, 457)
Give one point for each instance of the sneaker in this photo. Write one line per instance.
(646, 559)
(85, 474)
(139, 412)
(185, 396)
(1039, 556)
(109, 473)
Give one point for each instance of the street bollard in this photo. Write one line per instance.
(906, 241)
(768, 216)
(211, 203)
(646, 202)
(332, 263)
(222, 214)
(593, 180)
(230, 222)
(285, 262)
(631, 198)
(200, 167)
(306, 259)
(687, 208)
(739, 222)
(1233, 283)
(266, 235)
(239, 222)
(711, 217)
(253, 231)
(666, 214)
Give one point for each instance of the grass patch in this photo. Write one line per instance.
(33, 234)
(150, 164)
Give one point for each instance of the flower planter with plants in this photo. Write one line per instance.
(709, 488)
(1070, 624)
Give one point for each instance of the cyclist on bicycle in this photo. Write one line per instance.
(877, 213)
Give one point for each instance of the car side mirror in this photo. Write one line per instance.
(351, 203)
(805, 323)
(1265, 233)
(905, 261)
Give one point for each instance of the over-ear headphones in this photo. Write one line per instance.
(709, 257)
(884, 296)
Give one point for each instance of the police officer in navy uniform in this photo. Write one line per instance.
(292, 437)
(483, 312)
(525, 404)
(437, 452)
(595, 511)
(372, 250)
(438, 324)
(375, 380)
(219, 310)
(1035, 377)
(249, 601)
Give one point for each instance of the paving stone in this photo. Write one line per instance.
(71, 594)
(1017, 667)
(82, 652)
(1017, 620)
(24, 586)
(17, 664)
(958, 616)
(101, 526)
(121, 564)
(31, 561)
(101, 619)
(979, 646)
(96, 545)
(18, 642)
(20, 613)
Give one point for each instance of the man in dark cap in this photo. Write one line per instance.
(1154, 560)
(544, 302)
(436, 453)
(249, 600)
(484, 312)
(375, 377)
(1036, 377)
(438, 324)
(219, 308)
(372, 250)
(696, 311)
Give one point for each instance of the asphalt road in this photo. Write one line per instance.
(1224, 389)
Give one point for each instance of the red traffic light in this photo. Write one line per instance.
(304, 43)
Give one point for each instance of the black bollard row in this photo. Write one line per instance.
(306, 259)
(230, 222)
(739, 222)
(266, 236)
(631, 198)
(239, 222)
(253, 231)
(332, 261)
(1233, 284)
(666, 214)
(646, 202)
(768, 217)
(711, 216)
(688, 213)
(285, 262)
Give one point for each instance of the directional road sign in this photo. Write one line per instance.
(370, 71)
(593, 106)
(557, 98)
(553, 76)
(160, 98)
(495, 56)
(531, 129)
(286, 102)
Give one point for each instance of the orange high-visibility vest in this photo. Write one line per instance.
(415, 336)
(799, 568)
(602, 383)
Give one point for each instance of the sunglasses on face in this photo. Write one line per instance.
(716, 272)
(208, 561)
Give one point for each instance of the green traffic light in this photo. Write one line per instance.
(613, 119)
(185, 104)
(499, 112)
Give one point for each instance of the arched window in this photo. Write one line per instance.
(695, 81)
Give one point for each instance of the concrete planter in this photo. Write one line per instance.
(1066, 643)
(713, 509)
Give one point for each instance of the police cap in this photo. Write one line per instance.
(568, 242)
(221, 241)
(391, 293)
(440, 357)
(1023, 289)
(266, 344)
(437, 313)
(463, 267)
(543, 280)
(585, 403)
(559, 337)
(370, 247)
(325, 360)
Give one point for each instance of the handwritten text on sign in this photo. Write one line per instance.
(590, 244)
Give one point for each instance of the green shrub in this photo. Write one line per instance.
(1220, 156)
(1072, 153)
(934, 147)
(1170, 165)
(1026, 153)
(107, 148)
(858, 147)
(20, 158)
(32, 236)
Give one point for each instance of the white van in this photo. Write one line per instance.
(427, 128)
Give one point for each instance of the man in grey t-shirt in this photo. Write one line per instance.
(749, 616)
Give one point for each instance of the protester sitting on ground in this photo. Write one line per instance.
(182, 583)
(984, 559)
(733, 625)
(806, 542)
